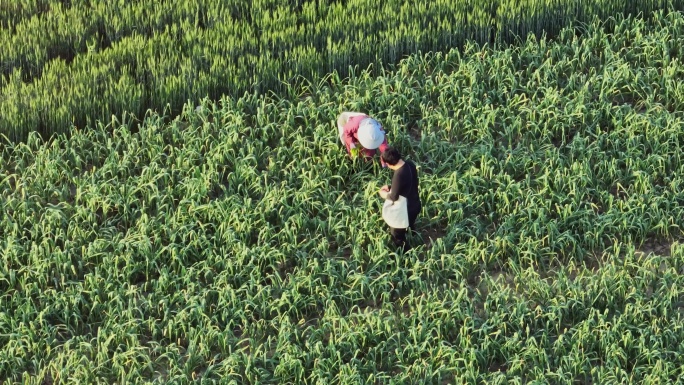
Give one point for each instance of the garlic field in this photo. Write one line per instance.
(236, 243)
(72, 63)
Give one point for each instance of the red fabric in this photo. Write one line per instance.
(351, 129)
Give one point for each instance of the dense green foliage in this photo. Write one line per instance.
(67, 63)
(239, 243)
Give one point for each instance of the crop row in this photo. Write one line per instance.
(71, 63)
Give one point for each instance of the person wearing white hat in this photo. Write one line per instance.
(361, 134)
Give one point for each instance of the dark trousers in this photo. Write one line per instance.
(399, 235)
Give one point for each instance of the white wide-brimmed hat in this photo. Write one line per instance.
(370, 133)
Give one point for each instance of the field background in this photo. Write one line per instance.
(71, 63)
(233, 241)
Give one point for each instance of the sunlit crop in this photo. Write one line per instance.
(237, 242)
(71, 63)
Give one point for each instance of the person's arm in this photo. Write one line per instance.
(384, 190)
(382, 148)
(397, 179)
(350, 130)
(368, 153)
(348, 139)
(383, 145)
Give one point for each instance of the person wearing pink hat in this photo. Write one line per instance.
(361, 134)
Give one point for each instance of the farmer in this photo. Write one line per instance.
(404, 183)
(361, 134)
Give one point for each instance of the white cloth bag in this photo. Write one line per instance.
(395, 213)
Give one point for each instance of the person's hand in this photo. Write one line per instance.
(384, 191)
